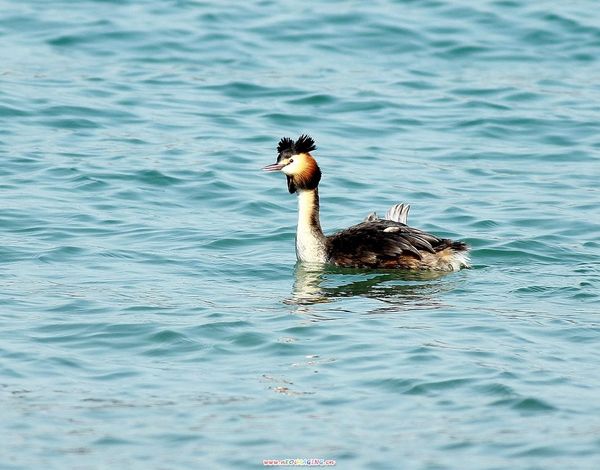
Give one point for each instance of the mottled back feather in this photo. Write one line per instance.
(385, 243)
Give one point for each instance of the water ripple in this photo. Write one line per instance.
(149, 287)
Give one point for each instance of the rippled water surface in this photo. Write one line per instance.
(152, 313)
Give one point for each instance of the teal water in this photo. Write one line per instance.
(152, 315)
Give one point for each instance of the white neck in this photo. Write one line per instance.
(310, 241)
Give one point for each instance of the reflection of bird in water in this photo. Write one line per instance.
(375, 243)
(400, 290)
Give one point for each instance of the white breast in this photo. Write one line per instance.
(309, 247)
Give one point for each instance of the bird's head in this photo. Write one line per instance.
(296, 162)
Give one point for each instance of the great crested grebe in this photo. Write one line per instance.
(374, 243)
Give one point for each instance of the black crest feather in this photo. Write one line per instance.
(287, 147)
(285, 144)
(304, 144)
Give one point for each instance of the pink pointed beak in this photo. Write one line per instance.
(273, 167)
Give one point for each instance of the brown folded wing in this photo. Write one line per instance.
(387, 244)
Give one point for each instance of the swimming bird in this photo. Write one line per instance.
(387, 243)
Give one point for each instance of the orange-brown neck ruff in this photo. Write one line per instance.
(308, 177)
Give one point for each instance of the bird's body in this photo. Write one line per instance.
(387, 243)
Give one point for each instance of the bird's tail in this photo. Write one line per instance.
(460, 258)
